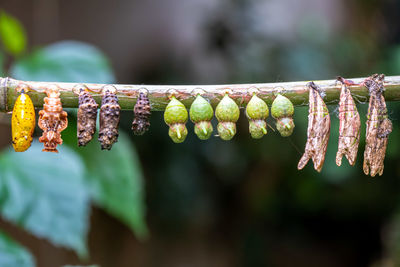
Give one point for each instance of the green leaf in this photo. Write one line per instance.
(115, 179)
(66, 61)
(117, 185)
(12, 254)
(45, 193)
(81, 266)
(12, 34)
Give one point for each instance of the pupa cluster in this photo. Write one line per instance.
(377, 131)
(53, 120)
(227, 113)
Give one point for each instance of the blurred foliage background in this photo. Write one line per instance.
(149, 202)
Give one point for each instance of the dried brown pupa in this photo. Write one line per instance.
(378, 127)
(52, 120)
(87, 115)
(142, 112)
(349, 126)
(319, 125)
(109, 117)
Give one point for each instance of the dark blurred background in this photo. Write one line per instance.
(243, 202)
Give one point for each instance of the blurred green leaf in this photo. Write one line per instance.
(12, 254)
(12, 34)
(66, 61)
(80, 266)
(115, 178)
(45, 193)
(116, 182)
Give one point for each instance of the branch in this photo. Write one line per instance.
(297, 92)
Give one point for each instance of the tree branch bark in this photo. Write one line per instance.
(297, 92)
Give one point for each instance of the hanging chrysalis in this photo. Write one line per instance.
(257, 112)
(142, 111)
(201, 114)
(282, 110)
(52, 120)
(23, 120)
(378, 127)
(227, 113)
(87, 115)
(109, 117)
(176, 116)
(349, 126)
(319, 124)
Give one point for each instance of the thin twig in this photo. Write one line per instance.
(297, 92)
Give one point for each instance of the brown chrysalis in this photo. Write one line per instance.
(142, 111)
(87, 115)
(109, 117)
(349, 126)
(52, 120)
(378, 127)
(319, 124)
